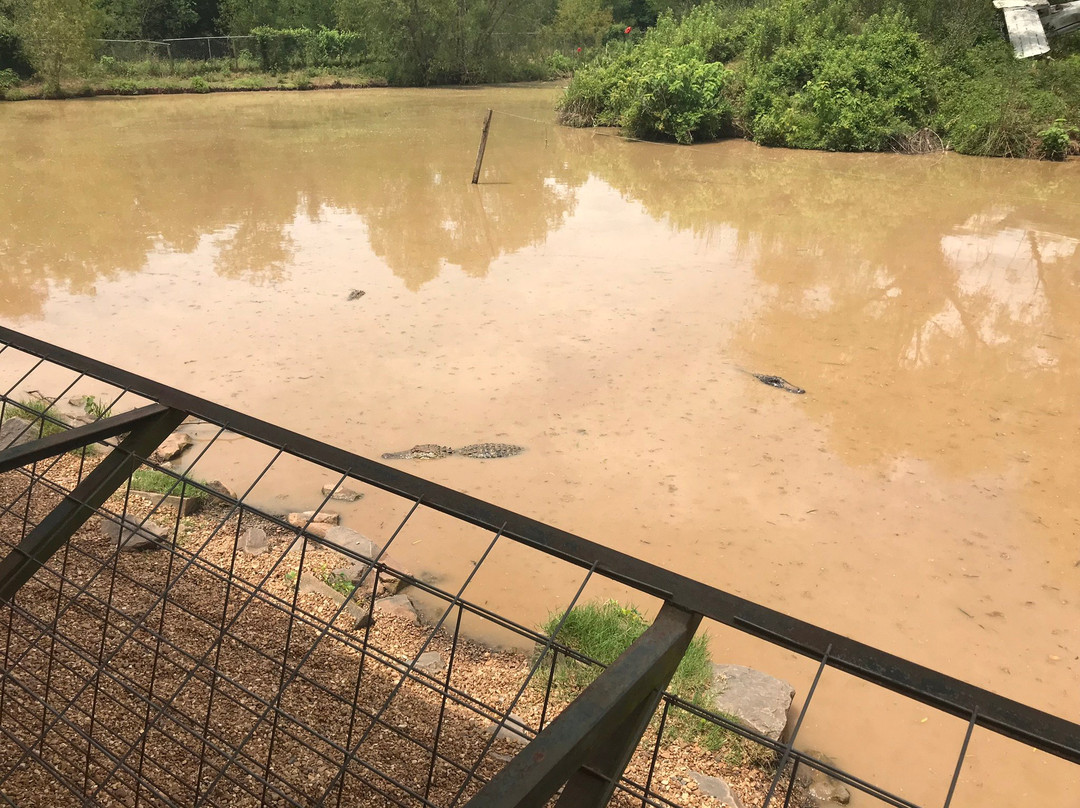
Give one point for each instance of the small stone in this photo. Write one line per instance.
(822, 787)
(352, 540)
(393, 582)
(757, 700)
(16, 431)
(303, 518)
(513, 730)
(253, 541)
(219, 487)
(715, 787)
(431, 662)
(172, 447)
(341, 494)
(77, 401)
(135, 535)
(397, 606)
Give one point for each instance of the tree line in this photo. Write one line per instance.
(414, 41)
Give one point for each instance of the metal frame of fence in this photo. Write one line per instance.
(200, 684)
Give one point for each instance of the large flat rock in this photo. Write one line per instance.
(757, 700)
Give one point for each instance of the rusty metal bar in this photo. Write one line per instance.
(612, 704)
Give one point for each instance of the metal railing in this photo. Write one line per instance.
(191, 677)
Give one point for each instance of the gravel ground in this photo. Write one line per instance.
(93, 636)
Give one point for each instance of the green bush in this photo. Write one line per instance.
(846, 75)
(675, 96)
(1055, 141)
(993, 107)
(8, 79)
(287, 48)
(200, 85)
(852, 93)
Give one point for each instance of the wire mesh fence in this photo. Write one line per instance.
(205, 48)
(191, 644)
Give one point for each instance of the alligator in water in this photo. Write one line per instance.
(773, 381)
(480, 451)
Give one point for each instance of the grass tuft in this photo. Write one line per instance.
(158, 482)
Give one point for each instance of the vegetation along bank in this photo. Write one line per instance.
(843, 75)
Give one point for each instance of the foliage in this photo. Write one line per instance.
(283, 49)
(1056, 140)
(148, 19)
(583, 21)
(199, 84)
(8, 78)
(850, 93)
(56, 35)
(991, 106)
(675, 95)
(850, 75)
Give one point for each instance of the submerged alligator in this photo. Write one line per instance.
(773, 381)
(480, 451)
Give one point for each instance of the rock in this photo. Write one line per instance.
(172, 447)
(313, 585)
(394, 583)
(431, 662)
(352, 540)
(513, 730)
(321, 517)
(715, 787)
(253, 541)
(135, 536)
(219, 487)
(397, 606)
(823, 788)
(341, 494)
(757, 700)
(16, 431)
(77, 401)
(188, 506)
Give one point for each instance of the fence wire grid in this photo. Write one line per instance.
(205, 649)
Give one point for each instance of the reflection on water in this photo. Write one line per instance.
(97, 191)
(594, 300)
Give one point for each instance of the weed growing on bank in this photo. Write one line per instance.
(854, 75)
(602, 631)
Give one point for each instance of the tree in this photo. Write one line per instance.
(55, 35)
(584, 21)
(149, 19)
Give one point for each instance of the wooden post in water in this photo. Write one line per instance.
(483, 145)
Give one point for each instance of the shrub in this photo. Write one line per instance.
(675, 96)
(1056, 140)
(200, 85)
(8, 78)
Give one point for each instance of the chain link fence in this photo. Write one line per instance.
(203, 48)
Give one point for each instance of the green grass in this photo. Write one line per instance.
(34, 410)
(602, 631)
(158, 482)
(338, 581)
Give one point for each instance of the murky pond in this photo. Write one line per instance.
(599, 301)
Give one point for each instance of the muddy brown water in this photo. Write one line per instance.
(594, 300)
